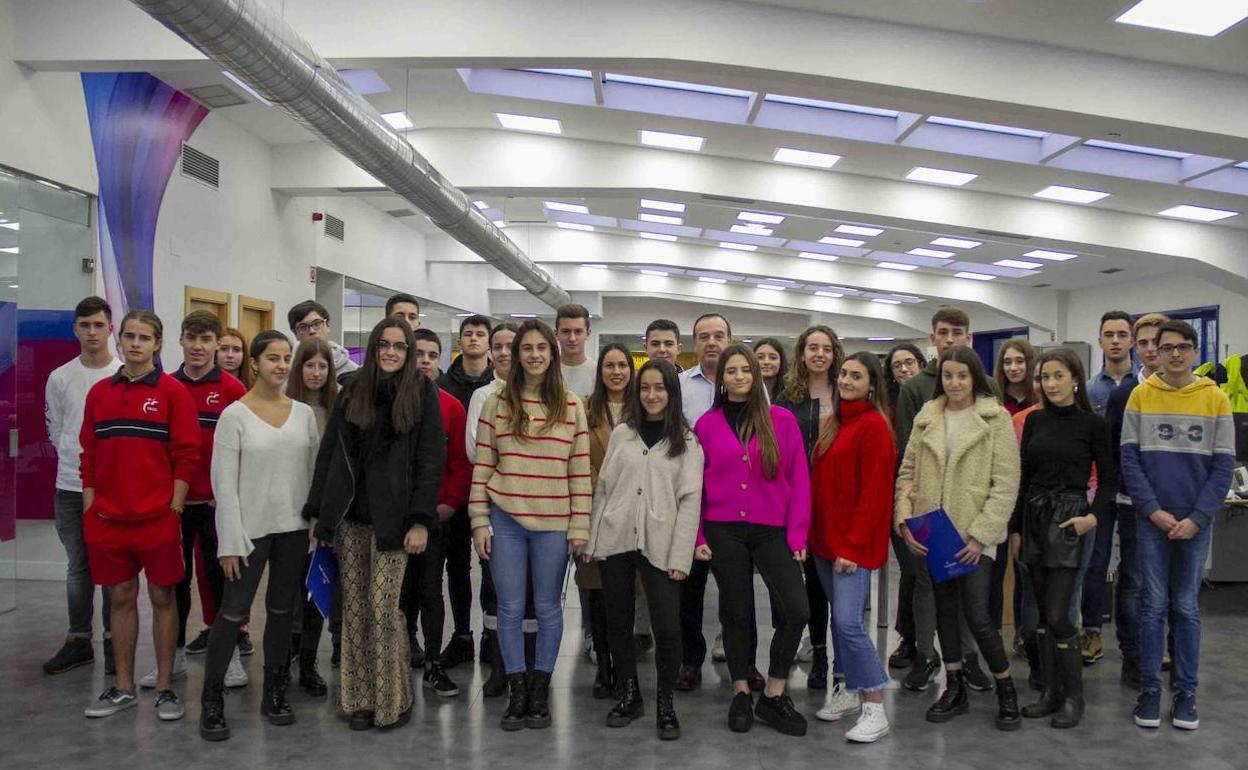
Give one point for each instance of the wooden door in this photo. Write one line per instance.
(215, 302)
(254, 315)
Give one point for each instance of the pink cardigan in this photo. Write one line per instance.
(734, 487)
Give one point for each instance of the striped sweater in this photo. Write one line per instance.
(541, 479)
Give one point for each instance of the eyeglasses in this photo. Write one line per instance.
(397, 347)
(905, 363)
(1182, 347)
(310, 326)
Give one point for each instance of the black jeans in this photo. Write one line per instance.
(284, 554)
(692, 605)
(1054, 588)
(458, 535)
(734, 548)
(967, 596)
(996, 591)
(422, 594)
(818, 601)
(905, 589)
(619, 574)
(199, 521)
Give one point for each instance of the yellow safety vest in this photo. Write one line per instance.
(1235, 388)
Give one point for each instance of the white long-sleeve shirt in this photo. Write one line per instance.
(261, 475)
(65, 396)
(475, 405)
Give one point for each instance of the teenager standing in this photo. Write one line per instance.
(233, 356)
(772, 363)
(903, 362)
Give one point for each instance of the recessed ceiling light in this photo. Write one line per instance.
(709, 279)
(974, 276)
(896, 266)
(529, 123)
(805, 158)
(882, 301)
(762, 219)
(770, 287)
(956, 243)
(657, 236)
(1197, 213)
(595, 266)
(524, 315)
(737, 246)
(1070, 194)
(859, 230)
(398, 120)
(574, 208)
(830, 294)
(1206, 18)
(575, 226)
(817, 255)
(752, 229)
(939, 176)
(1052, 256)
(482, 205)
(12, 225)
(991, 127)
(1018, 264)
(658, 273)
(11, 250)
(649, 203)
(663, 219)
(671, 141)
(934, 253)
(832, 240)
(880, 339)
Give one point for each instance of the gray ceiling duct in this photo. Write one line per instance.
(253, 42)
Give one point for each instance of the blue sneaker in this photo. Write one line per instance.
(1148, 710)
(1183, 714)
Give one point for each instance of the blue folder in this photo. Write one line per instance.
(937, 532)
(322, 577)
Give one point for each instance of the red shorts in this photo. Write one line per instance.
(118, 551)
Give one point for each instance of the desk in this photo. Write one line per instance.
(1229, 551)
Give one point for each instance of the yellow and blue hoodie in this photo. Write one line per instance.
(1178, 449)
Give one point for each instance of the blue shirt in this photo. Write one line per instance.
(697, 393)
(1099, 388)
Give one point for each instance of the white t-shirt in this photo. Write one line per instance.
(579, 379)
(65, 398)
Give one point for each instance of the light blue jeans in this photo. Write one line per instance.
(1170, 573)
(516, 554)
(847, 593)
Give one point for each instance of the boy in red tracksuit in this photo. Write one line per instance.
(140, 444)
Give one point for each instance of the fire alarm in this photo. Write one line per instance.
(317, 216)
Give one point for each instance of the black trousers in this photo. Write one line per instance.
(458, 535)
(735, 547)
(199, 521)
(308, 617)
(619, 575)
(996, 591)
(905, 589)
(968, 596)
(422, 593)
(818, 601)
(1054, 588)
(692, 607)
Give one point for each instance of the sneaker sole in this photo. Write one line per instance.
(868, 738)
(947, 716)
(233, 684)
(832, 716)
(442, 693)
(1149, 723)
(537, 724)
(783, 729)
(171, 717)
(110, 713)
(214, 735)
(197, 650)
(1183, 724)
(70, 667)
(152, 686)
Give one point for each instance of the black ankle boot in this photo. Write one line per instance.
(538, 715)
(517, 703)
(273, 702)
(604, 679)
(1051, 695)
(1031, 648)
(818, 677)
(953, 701)
(309, 678)
(1070, 671)
(496, 685)
(629, 706)
(1007, 705)
(212, 724)
(665, 715)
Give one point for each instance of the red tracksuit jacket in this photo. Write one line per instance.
(457, 477)
(211, 393)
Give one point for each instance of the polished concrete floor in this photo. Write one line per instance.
(41, 722)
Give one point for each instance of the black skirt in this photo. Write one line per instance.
(1045, 543)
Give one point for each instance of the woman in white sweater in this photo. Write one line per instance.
(263, 456)
(645, 521)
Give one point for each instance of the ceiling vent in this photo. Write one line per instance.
(201, 166)
(401, 213)
(995, 234)
(215, 96)
(1111, 271)
(335, 228)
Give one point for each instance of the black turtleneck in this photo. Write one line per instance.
(651, 432)
(1060, 444)
(734, 413)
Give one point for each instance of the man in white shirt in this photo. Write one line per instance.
(572, 329)
(65, 397)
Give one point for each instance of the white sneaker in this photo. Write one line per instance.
(179, 670)
(236, 675)
(717, 649)
(872, 724)
(806, 653)
(837, 703)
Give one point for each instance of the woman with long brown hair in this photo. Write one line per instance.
(755, 513)
(1016, 362)
(773, 363)
(234, 357)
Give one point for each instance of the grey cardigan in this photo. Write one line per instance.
(646, 501)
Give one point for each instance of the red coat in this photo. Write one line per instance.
(457, 476)
(211, 393)
(852, 489)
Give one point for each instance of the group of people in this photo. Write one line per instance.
(650, 481)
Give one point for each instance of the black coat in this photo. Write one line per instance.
(807, 413)
(404, 473)
(462, 385)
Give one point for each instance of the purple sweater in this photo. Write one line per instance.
(734, 487)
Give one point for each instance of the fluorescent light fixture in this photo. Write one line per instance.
(662, 219)
(832, 240)
(1137, 149)
(1018, 264)
(529, 123)
(934, 253)
(481, 205)
(236, 80)
(14, 286)
(658, 273)
(829, 294)
(770, 287)
(675, 85)
(859, 109)
(737, 246)
(817, 255)
(708, 279)
(896, 266)
(398, 120)
(12, 225)
(573, 208)
(500, 224)
(805, 158)
(974, 276)
(880, 339)
(650, 203)
(882, 301)
(671, 141)
(564, 73)
(1197, 213)
(1205, 17)
(46, 183)
(657, 236)
(524, 315)
(956, 243)
(992, 127)
(11, 250)
(752, 229)
(575, 226)
(939, 176)
(762, 219)
(1070, 194)
(1052, 256)
(463, 315)
(859, 230)
(595, 266)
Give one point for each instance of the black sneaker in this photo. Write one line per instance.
(199, 645)
(245, 647)
(110, 660)
(741, 713)
(921, 674)
(780, 713)
(436, 679)
(976, 679)
(74, 652)
(459, 650)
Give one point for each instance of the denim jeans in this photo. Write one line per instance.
(1085, 562)
(79, 590)
(854, 651)
(1127, 589)
(1170, 573)
(516, 554)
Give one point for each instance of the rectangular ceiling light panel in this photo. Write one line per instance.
(935, 253)
(1018, 264)
(529, 123)
(762, 219)
(657, 237)
(671, 141)
(398, 120)
(805, 158)
(1052, 256)
(956, 243)
(1206, 18)
(574, 208)
(832, 240)
(575, 226)
(859, 230)
(1197, 213)
(896, 266)
(646, 216)
(737, 246)
(939, 176)
(816, 255)
(657, 205)
(974, 276)
(1070, 194)
(752, 229)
